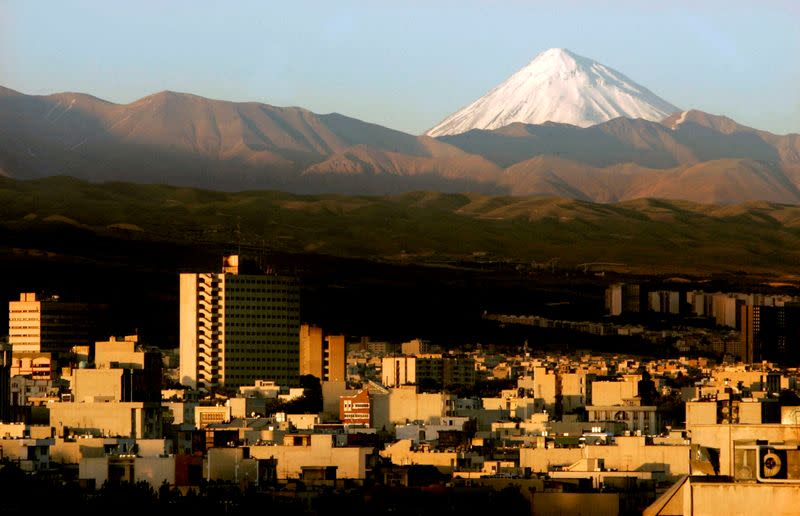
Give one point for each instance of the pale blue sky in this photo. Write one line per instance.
(407, 64)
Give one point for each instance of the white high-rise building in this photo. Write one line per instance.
(237, 328)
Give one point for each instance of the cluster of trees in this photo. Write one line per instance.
(68, 497)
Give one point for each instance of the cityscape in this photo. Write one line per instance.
(257, 407)
(425, 258)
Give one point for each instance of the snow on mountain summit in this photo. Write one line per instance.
(558, 86)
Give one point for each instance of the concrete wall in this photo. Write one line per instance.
(72, 451)
(95, 468)
(245, 407)
(182, 412)
(107, 419)
(612, 393)
(87, 384)
(330, 397)
(406, 405)
(188, 330)
(121, 351)
(700, 413)
(155, 470)
(574, 391)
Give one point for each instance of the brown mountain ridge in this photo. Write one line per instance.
(188, 140)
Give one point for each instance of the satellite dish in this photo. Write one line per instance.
(772, 464)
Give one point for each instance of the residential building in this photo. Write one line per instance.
(643, 419)
(771, 333)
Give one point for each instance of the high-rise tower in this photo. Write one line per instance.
(237, 328)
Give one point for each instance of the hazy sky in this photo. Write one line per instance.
(405, 64)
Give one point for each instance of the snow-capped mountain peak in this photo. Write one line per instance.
(558, 86)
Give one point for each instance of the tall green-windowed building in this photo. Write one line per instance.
(237, 328)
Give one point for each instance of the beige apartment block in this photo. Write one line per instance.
(417, 347)
(405, 453)
(626, 454)
(99, 385)
(323, 356)
(37, 366)
(111, 419)
(314, 450)
(28, 453)
(406, 405)
(72, 451)
(236, 329)
(115, 353)
(153, 470)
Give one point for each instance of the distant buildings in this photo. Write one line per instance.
(397, 371)
(771, 333)
(433, 370)
(623, 298)
(664, 301)
(5, 383)
(237, 328)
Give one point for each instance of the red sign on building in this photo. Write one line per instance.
(355, 409)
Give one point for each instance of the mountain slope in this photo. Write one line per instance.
(49, 215)
(558, 86)
(624, 140)
(723, 181)
(786, 148)
(182, 139)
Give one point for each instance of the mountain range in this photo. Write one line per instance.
(188, 140)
